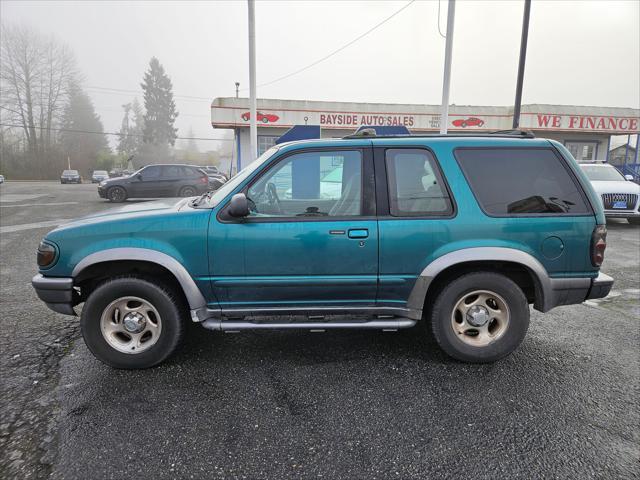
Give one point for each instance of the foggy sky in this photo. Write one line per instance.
(580, 53)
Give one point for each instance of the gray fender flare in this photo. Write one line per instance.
(191, 291)
(544, 284)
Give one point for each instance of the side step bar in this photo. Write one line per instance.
(236, 326)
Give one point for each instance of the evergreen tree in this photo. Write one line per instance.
(79, 118)
(160, 109)
(131, 130)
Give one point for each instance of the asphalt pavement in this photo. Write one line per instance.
(313, 405)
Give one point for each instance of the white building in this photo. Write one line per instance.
(586, 131)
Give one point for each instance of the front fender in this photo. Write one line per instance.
(192, 292)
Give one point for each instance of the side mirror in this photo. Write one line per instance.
(239, 206)
(629, 177)
(139, 176)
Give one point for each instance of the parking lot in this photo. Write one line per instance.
(309, 405)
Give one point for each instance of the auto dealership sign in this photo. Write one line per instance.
(585, 122)
(233, 113)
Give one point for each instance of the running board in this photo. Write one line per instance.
(236, 326)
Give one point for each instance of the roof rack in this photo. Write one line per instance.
(371, 133)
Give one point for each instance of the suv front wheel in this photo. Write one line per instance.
(130, 322)
(480, 317)
(116, 194)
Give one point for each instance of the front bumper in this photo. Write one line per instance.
(56, 292)
(622, 214)
(102, 192)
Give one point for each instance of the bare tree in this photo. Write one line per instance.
(35, 76)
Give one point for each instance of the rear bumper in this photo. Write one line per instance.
(570, 291)
(56, 292)
(600, 286)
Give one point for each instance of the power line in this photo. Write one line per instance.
(439, 29)
(338, 50)
(139, 92)
(133, 92)
(69, 130)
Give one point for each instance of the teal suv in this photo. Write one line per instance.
(461, 232)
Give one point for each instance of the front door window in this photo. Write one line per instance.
(310, 184)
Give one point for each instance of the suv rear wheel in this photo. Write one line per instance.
(480, 317)
(130, 322)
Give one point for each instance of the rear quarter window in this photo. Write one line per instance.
(521, 181)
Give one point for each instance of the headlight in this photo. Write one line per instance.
(103, 183)
(46, 254)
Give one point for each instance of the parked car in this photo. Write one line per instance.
(99, 175)
(620, 195)
(70, 176)
(504, 222)
(216, 179)
(118, 172)
(1, 179)
(156, 181)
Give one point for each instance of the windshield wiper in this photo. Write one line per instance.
(197, 201)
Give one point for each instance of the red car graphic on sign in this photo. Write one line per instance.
(468, 122)
(262, 117)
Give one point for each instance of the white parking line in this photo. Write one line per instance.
(40, 204)
(18, 197)
(29, 226)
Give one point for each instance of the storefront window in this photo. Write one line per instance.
(265, 142)
(583, 150)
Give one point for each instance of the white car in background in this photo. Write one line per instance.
(1, 178)
(620, 196)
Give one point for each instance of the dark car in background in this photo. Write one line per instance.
(172, 180)
(70, 176)
(99, 175)
(216, 178)
(119, 172)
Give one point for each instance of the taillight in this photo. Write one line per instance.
(598, 245)
(204, 179)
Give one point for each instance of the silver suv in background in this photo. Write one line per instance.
(619, 194)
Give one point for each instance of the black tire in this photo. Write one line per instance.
(443, 311)
(634, 220)
(116, 194)
(188, 192)
(171, 310)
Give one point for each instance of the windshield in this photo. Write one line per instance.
(70, 172)
(228, 187)
(602, 173)
(100, 172)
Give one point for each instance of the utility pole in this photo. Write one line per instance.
(253, 103)
(237, 87)
(523, 56)
(444, 109)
